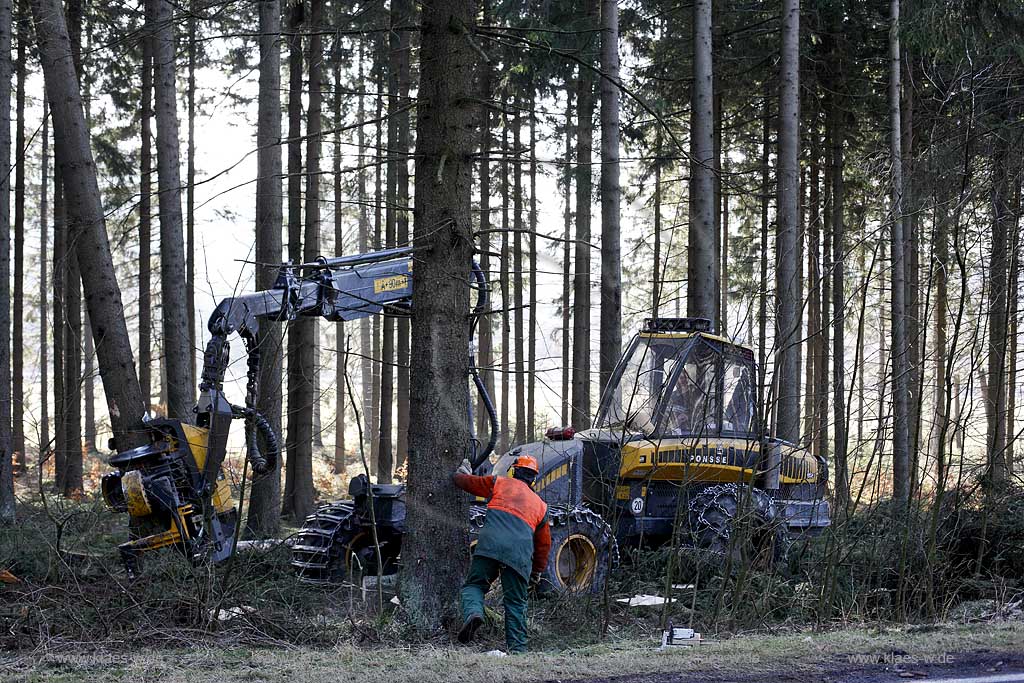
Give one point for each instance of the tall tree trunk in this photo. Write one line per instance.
(86, 217)
(995, 404)
(531, 333)
(656, 285)
(567, 262)
(911, 210)
(517, 265)
(380, 60)
(294, 191)
(73, 466)
(264, 517)
(900, 384)
(842, 475)
(366, 349)
(305, 329)
(88, 390)
(404, 20)
(611, 247)
(146, 221)
(787, 291)
(504, 279)
(7, 503)
(341, 342)
(485, 322)
(71, 481)
(816, 355)
(177, 353)
(762, 304)
(60, 236)
(1014, 324)
(940, 279)
(700, 263)
(439, 435)
(17, 329)
(190, 202)
(44, 290)
(385, 447)
(581, 278)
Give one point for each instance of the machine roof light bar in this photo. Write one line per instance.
(652, 325)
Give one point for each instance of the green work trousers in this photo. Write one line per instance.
(482, 573)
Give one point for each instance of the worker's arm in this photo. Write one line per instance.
(478, 486)
(541, 546)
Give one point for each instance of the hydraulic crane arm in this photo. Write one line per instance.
(337, 289)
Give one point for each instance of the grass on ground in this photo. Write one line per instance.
(791, 652)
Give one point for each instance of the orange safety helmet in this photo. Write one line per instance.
(527, 462)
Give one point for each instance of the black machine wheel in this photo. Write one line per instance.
(318, 553)
(583, 551)
(735, 518)
(335, 545)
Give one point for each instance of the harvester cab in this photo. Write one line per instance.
(676, 451)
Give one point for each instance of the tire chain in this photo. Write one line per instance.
(314, 551)
(711, 497)
(560, 516)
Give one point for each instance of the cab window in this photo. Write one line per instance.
(692, 407)
(738, 393)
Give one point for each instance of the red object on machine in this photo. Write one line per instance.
(560, 433)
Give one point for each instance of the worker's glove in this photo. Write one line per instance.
(465, 467)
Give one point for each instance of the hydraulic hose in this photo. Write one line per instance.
(483, 291)
(257, 429)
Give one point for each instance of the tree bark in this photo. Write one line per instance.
(404, 20)
(177, 352)
(995, 404)
(531, 332)
(44, 290)
(485, 323)
(85, 212)
(294, 191)
(264, 517)
(380, 60)
(504, 279)
(581, 277)
(611, 247)
(900, 386)
(306, 329)
(340, 343)
(787, 292)
(190, 204)
(439, 435)
(762, 304)
(842, 474)
(700, 263)
(146, 221)
(366, 348)
(60, 237)
(567, 263)
(17, 329)
(7, 502)
(518, 313)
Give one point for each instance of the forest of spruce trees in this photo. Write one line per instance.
(835, 184)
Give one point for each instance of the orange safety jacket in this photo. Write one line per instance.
(516, 531)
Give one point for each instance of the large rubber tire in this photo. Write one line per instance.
(583, 552)
(737, 521)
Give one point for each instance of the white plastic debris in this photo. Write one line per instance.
(642, 600)
(230, 613)
(496, 653)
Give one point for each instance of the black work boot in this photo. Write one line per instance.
(469, 628)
